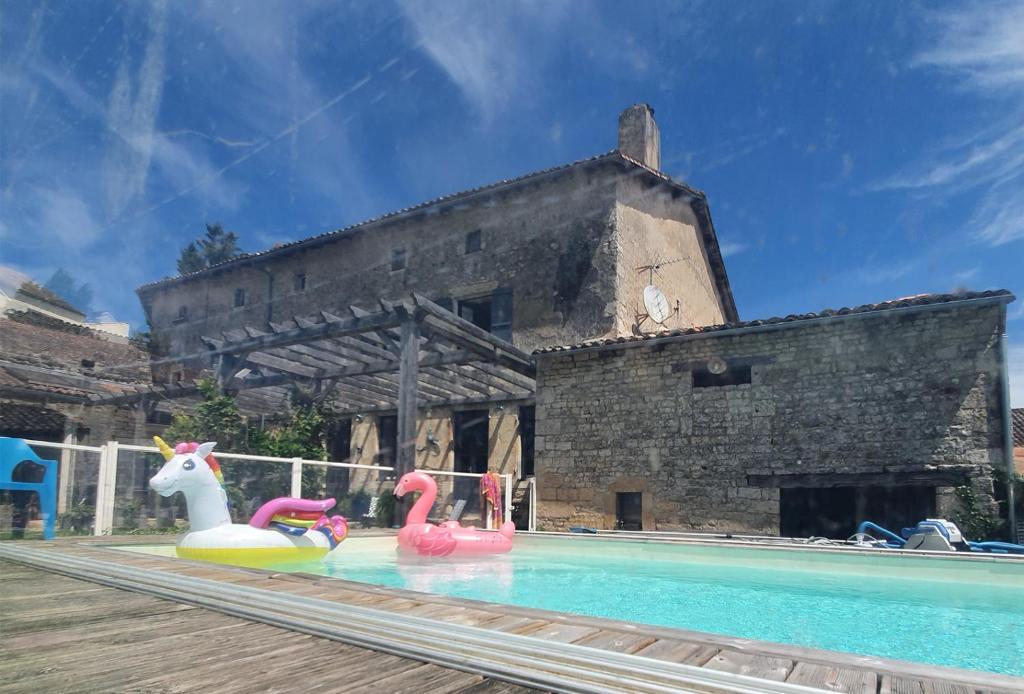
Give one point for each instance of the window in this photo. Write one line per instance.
(387, 445)
(397, 259)
(239, 297)
(474, 241)
(476, 311)
(733, 376)
(182, 314)
(492, 313)
(299, 282)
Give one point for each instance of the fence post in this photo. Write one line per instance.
(533, 504)
(105, 488)
(508, 497)
(296, 477)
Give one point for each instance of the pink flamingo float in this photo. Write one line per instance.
(450, 538)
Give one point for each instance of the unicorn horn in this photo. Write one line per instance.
(167, 451)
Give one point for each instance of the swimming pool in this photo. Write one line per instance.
(954, 612)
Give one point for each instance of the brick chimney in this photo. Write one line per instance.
(639, 137)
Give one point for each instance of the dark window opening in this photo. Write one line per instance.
(299, 282)
(527, 428)
(340, 451)
(239, 297)
(734, 376)
(397, 259)
(159, 417)
(629, 509)
(470, 434)
(835, 512)
(178, 376)
(387, 445)
(476, 311)
(474, 241)
(182, 313)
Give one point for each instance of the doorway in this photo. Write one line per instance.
(629, 511)
(470, 434)
(340, 452)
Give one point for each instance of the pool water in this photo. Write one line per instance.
(967, 614)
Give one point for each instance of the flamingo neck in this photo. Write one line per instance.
(418, 512)
(207, 507)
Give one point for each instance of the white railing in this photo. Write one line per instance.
(107, 477)
(532, 523)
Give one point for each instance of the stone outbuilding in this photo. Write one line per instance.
(804, 425)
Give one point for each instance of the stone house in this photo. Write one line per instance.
(51, 372)
(804, 425)
(549, 257)
(667, 412)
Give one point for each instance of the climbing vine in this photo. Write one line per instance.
(974, 522)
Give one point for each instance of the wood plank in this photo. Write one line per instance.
(892, 684)
(679, 651)
(836, 679)
(565, 633)
(209, 651)
(617, 641)
(751, 664)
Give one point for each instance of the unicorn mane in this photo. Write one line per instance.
(191, 447)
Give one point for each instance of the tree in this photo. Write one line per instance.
(303, 434)
(64, 286)
(217, 247)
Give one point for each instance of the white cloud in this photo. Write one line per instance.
(965, 275)
(131, 118)
(983, 43)
(1000, 218)
(730, 248)
(482, 46)
(982, 49)
(883, 274)
(64, 218)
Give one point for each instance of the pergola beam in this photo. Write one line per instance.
(343, 327)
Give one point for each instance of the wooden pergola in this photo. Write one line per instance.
(401, 357)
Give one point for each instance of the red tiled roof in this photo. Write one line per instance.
(919, 300)
(44, 347)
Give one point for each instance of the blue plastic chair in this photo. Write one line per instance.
(13, 452)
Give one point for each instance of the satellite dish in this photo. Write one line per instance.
(656, 304)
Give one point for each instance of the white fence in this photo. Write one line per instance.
(106, 478)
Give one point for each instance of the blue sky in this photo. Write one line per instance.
(851, 152)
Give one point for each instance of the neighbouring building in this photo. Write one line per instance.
(804, 425)
(51, 372)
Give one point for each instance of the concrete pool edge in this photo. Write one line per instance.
(110, 552)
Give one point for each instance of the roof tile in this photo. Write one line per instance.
(918, 300)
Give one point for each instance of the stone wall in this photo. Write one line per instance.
(548, 240)
(903, 393)
(652, 226)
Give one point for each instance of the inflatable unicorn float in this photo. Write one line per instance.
(284, 529)
(449, 538)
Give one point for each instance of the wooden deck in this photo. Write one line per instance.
(835, 672)
(59, 634)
